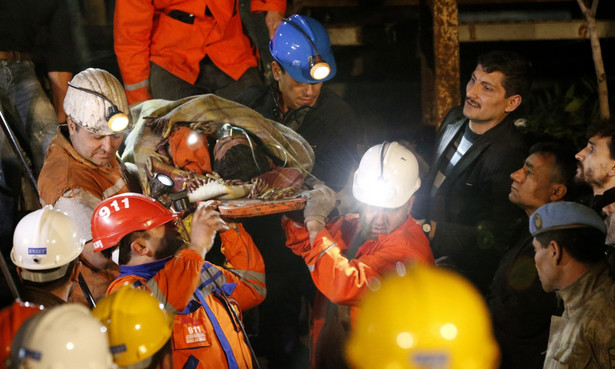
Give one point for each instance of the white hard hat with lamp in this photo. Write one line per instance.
(387, 177)
(96, 101)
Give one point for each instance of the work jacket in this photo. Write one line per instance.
(33, 301)
(76, 186)
(343, 280)
(583, 336)
(177, 35)
(206, 335)
(471, 209)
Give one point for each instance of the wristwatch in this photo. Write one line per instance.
(426, 227)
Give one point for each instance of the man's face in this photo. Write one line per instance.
(595, 165)
(295, 94)
(97, 149)
(532, 185)
(545, 266)
(376, 220)
(164, 240)
(486, 100)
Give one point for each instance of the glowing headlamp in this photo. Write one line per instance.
(116, 120)
(319, 69)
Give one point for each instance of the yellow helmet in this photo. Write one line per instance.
(137, 324)
(428, 318)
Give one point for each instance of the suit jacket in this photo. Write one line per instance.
(474, 218)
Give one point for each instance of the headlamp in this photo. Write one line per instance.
(116, 120)
(319, 69)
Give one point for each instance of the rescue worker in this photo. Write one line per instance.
(206, 298)
(82, 168)
(347, 254)
(175, 49)
(570, 259)
(139, 329)
(66, 337)
(46, 249)
(423, 318)
(299, 100)
(303, 103)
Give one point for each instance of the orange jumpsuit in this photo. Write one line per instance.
(195, 340)
(144, 31)
(64, 174)
(345, 281)
(12, 317)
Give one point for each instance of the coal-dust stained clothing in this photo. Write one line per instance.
(76, 186)
(343, 279)
(33, 301)
(583, 336)
(206, 335)
(177, 34)
(330, 127)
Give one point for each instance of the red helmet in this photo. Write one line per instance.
(123, 214)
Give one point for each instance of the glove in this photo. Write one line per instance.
(320, 202)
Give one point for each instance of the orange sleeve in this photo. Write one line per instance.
(266, 5)
(345, 281)
(132, 28)
(245, 266)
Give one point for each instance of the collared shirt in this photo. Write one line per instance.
(584, 336)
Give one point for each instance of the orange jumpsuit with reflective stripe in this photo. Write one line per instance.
(143, 32)
(345, 281)
(174, 286)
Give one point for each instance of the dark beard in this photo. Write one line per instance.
(172, 243)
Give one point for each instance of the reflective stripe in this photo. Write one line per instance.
(155, 290)
(324, 251)
(224, 343)
(113, 190)
(248, 276)
(136, 86)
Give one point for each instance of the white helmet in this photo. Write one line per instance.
(64, 337)
(45, 239)
(93, 96)
(387, 177)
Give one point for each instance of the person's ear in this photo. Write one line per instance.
(558, 191)
(75, 274)
(140, 247)
(512, 103)
(555, 251)
(276, 71)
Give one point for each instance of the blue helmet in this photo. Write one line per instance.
(301, 45)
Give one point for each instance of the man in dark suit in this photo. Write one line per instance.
(464, 199)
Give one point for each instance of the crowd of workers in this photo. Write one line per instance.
(497, 257)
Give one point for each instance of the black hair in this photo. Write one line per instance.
(516, 70)
(564, 162)
(124, 245)
(239, 163)
(604, 128)
(586, 245)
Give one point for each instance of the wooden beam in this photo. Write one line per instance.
(299, 4)
(531, 31)
(446, 58)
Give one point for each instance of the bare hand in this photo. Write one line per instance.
(206, 221)
(273, 20)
